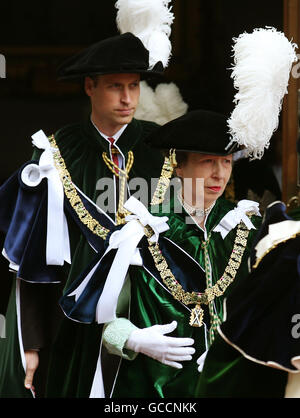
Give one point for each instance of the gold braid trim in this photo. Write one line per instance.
(210, 293)
(72, 195)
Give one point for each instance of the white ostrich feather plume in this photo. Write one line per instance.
(262, 65)
(149, 20)
(161, 105)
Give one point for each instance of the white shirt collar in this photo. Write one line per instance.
(116, 136)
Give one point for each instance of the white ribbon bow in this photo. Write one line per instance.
(125, 240)
(236, 215)
(140, 212)
(58, 244)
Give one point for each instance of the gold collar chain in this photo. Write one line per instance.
(212, 291)
(71, 193)
(164, 179)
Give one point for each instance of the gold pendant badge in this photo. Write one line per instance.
(196, 318)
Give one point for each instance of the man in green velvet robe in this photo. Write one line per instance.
(111, 70)
(212, 235)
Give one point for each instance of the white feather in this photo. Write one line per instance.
(149, 20)
(170, 102)
(262, 65)
(162, 105)
(147, 108)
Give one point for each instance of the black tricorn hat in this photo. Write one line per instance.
(200, 131)
(119, 54)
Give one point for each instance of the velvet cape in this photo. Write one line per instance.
(256, 344)
(66, 371)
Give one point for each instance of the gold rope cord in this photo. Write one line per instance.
(211, 291)
(115, 169)
(123, 176)
(71, 193)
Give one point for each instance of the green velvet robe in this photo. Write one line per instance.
(71, 355)
(228, 374)
(151, 304)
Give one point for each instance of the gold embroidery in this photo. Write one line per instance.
(71, 193)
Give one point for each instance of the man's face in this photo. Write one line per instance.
(215, 172)
(114, 99)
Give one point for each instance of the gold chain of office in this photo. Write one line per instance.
(71, 193)
(217, 290)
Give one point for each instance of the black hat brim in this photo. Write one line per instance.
(156, 72)
(116, 55)
(198, 131)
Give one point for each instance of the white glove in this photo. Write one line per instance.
(168, 350)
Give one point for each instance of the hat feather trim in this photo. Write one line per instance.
(150, 21)
(262, 65)
(161, 105)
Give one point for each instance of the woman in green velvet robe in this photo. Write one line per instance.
(212, 234)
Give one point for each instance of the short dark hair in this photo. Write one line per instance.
(94, 78)
(181, 157)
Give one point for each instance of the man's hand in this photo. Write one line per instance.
(32, 362)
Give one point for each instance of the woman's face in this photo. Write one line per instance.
(214, 171)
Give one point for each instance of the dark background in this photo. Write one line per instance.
(36, 36)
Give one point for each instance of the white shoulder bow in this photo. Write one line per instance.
(236, 215)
